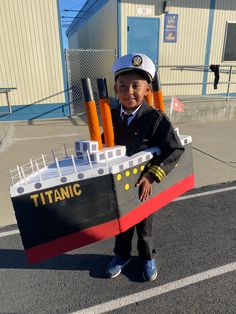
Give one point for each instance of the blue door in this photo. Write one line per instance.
(143, 36)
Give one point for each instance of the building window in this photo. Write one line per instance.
(229, 53)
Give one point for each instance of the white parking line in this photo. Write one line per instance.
(181, 198)
(154, 292)
(17, 139)
(8, 233)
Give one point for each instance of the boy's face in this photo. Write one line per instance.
(131, 89)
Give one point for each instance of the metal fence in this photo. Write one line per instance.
(6, 91)
(92, 63)
(198, 80)
(192, 81)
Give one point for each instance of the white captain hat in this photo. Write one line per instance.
(134, 61)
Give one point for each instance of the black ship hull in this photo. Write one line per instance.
(68, 216)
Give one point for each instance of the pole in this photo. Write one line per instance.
(91, 112)
(171, 108)
(229, 81)
(157, 93)
(149, 98)
(105, 111)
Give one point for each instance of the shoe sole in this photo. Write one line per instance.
(119, 272)
(114, 276)
(151, 279)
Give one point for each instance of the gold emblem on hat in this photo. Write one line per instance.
(137, 61)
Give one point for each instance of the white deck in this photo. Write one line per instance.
(38, 174)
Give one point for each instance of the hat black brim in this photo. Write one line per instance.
(145, 75)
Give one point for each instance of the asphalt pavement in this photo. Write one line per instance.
(214, 150)
(195, 243)
(194, 237)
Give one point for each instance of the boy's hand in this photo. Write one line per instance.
(145, 186)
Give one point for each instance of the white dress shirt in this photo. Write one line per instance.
(131, 115)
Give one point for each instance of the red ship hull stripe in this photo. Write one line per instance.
(72, 241)
(157, 202)
(109, 229)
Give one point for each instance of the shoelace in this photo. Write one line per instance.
(150, 264)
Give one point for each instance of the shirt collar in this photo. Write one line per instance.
(133, 113)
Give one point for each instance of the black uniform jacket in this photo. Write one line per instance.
(149, 128)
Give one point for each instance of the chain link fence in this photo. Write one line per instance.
(92, 63)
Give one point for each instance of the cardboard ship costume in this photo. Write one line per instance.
(90, 195)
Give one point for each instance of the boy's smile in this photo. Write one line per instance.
(131, 88)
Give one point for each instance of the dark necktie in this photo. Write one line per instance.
(125, 119)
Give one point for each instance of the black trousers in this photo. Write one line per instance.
(123, 241)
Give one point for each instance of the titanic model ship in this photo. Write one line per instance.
(89, 195)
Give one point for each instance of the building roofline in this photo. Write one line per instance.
(90, 8)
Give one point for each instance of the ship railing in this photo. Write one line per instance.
(62, 153)
(33, 167)
(68, 154)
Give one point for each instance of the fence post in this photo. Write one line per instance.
(230, 74)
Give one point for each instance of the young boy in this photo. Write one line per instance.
(138, 127)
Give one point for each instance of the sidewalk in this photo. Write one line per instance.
(214, 150)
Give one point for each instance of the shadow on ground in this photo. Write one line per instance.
(95, 264)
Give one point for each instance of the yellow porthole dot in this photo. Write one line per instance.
(135, 170)
(127, 173)
(127, 186)
(141, 168)
(119, 177)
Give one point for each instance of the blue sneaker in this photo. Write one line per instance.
(116, 266)
(149, 270)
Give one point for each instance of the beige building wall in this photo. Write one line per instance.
(30, 52)
(191, 39)
(80, 39)
(131, 8)
(189, 49)
(225, 11)
(100, 31)
(103, 27)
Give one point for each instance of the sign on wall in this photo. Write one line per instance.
(142, 11)
(170, 28)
